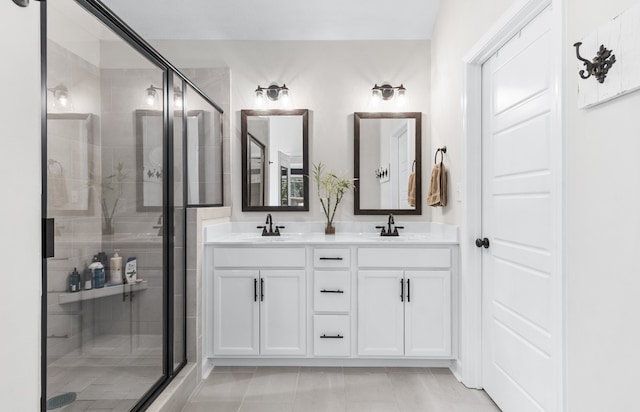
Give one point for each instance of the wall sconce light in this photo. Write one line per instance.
(152, 96)
(61, 95)
(274, 92)
(386, 92)
(177, 98)
(599, 66)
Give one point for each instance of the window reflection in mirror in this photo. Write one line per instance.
(275, 160)
(387, 150)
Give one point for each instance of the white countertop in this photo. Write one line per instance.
(347, 233)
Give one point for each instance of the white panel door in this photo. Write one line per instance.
(427, 313)
(282, 312)
(380, 313)
(235, 312)
(517, 220)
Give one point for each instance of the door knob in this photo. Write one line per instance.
(482, 242)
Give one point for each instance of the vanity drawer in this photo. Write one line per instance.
(404, 257)
(331, 258)
(331, 335)
(331, 291)
(259, 257)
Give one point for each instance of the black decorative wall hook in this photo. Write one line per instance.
(600, 65)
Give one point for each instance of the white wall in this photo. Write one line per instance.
(20, 211)
(602, 192)
(331, 79)
(459, 25)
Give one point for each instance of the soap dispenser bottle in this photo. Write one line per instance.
(116, 268)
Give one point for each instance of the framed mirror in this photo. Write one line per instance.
(149, 157)
(387, 163)
(69, 163)
(275, 160)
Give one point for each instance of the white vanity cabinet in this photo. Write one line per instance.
(331, 301)
(404, 311)
(259, 311)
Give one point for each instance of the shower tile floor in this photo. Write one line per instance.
(111, 376)
(266, 389)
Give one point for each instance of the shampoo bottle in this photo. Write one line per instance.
(87, 279)
(70, 285)
(104, 259)
(97, 271)
(116, 268)
(75, 280)
(131, 270)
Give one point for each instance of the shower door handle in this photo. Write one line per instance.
(48, 232)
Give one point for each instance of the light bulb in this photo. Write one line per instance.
(284, 95)
(259, 97)
(151, 97)
(62, 99)
(61, 95)
(401, 94)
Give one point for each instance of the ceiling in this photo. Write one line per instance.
(279, 19)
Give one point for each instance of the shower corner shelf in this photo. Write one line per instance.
(71, 297)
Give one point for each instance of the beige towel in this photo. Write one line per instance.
(412, 190)
(438, 187)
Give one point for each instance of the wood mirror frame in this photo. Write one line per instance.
(360, 141)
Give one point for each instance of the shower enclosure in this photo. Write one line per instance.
(121, 125)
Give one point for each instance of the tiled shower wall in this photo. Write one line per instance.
(77, 238)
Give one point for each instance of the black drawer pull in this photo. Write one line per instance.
(331, 291)
(338, 336)
(330, 258)
(255, 289)
(261, 290)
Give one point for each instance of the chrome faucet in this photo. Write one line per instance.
(389, 231)
(270, 232)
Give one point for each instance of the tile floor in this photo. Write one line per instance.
(108, 374)
(281, 389)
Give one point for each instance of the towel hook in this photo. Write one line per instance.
(413, 166)
(442, 151)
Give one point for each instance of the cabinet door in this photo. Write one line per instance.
(235, 312)
(427, 313)
(380, 313)
(282, 312)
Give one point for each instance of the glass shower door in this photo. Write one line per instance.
(105, 182)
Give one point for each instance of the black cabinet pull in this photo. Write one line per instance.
(331, 291)
(338, 336)
(261, 289)
(401, 290)
(330, 258)
(255, 289)
(408, 290)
